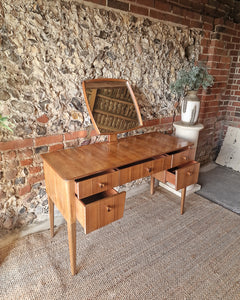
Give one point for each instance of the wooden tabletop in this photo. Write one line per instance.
(90, 159)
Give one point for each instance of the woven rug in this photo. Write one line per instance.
(151, 253)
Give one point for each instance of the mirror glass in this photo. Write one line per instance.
(112, 105)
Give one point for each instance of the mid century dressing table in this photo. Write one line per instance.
(81, 181)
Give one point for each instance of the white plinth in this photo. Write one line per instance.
(189, 133)
(189, 190)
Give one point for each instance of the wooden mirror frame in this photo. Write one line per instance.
(108, 83)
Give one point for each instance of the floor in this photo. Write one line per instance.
(220, 185)
(153, 252)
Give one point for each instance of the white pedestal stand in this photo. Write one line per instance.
(190, 133)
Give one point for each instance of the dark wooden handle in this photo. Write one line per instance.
(149, 170)
(101, 185)
(108, 208)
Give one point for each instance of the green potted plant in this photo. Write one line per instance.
(187, 84)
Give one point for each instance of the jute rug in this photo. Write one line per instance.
(152, 253)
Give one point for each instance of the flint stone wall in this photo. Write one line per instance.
(47, 49)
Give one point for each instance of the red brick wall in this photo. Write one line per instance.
(219, 104)
(187, 12)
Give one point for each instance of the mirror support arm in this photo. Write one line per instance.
(112, 138)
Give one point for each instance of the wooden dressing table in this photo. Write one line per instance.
(81, 181)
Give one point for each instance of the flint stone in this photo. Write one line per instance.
(41, 149)
(42, 192)
(34, 205)
(111, 55)
(8, 223)
(44, 105)
(112, 16)
(86, 142)
(4, 95)
(37, 185)
(84, 53)
(14, 93)
(103, 12)
(22, 107)
(103, 34)
(20, 180)
(147, 22)
(157, 41)
(44, 203)
(22, 210)
(4, 43)
(84, 25)
(133, 19)
(22, 130)
(77, 104)
(15, 58)
(41, 130)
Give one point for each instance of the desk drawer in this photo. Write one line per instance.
(134, 171)
(143, 169)
(99, 210)
(91, 185)
(182, 157)
(183, 175)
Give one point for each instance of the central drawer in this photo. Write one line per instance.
(143, 169)
(99, 210)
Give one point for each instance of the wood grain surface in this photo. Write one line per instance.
(79, 162)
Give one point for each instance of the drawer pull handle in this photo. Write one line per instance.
(189, 173)
(101, 185)
(184, 157)
(108, 208)
(149, 170)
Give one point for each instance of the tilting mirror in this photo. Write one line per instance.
(112, 105)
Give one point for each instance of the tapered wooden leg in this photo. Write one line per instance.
(183, 194)
(72, 246)
(51, 215)
(152, 185)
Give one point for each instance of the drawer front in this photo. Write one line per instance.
(167, 162)
(101, 212)
(187, 175)
(183, 176)
(182, 157)
(130, 173)
(145, 169)
(96, 184)
(148, 168)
